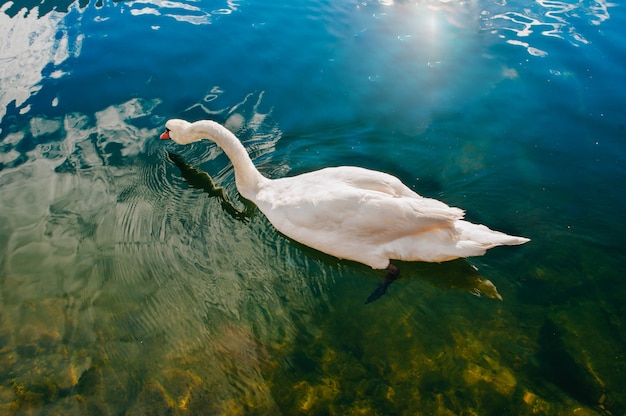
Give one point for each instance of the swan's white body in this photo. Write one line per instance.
(350, 212)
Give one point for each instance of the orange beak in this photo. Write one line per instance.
(165, 135)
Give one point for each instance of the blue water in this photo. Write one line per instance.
(129, 286)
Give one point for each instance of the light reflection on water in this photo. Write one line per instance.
(126, 288)
(28, 45)
(123, 267)
(182, 11)
(520, 24)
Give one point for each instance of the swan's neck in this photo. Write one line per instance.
(247, 177)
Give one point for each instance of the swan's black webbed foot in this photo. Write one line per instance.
(393, 272)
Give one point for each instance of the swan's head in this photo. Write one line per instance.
(175, 130)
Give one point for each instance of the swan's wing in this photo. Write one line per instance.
(351, 203)
(366, 179)
(383, 218)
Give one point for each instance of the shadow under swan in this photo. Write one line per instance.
(457, 274)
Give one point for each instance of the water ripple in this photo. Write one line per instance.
(519, 23)
(148, 254)
(31, 47)
(184, 11)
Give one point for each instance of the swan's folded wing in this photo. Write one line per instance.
(349, 211)
(392, 218)
(366, 179)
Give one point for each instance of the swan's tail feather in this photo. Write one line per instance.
(486, 237)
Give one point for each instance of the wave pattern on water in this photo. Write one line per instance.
(127, 286)
(102, 234)
(48, 44)
(519, 24)
(186, 11)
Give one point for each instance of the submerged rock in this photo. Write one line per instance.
(183, 387)
(564, 368)
(536, 405)
(499, 378)
(313, 398)
(153, 400)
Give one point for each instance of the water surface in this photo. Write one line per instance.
(129, 285)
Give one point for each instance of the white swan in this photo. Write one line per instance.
(350, 212)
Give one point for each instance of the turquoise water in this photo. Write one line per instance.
(128, 285)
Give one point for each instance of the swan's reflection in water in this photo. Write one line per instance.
(202, 180)
(458, 275)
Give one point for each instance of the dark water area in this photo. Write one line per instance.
(135, 280)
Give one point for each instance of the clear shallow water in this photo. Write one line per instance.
(127, 288)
